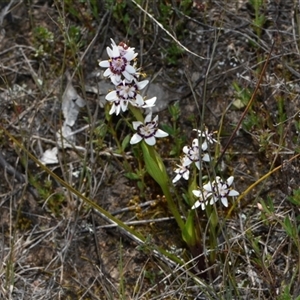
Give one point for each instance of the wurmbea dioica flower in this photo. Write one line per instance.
(118, 63)
(128, 92)
(208, 136)
(148, 131)
(221, 189)
(214, 191)
(192, 154)
(181, 171)
(202, 198)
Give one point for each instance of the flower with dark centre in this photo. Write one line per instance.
(181, 171)
(193, 154)
(214, 191)
(147, 131)
(220, 190)
(117, 65)
(127, 91)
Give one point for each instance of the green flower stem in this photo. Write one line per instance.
(213, 232)
(157, 170)
(189, 232)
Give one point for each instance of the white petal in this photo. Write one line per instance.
(111, 96)
(142, 84)
(113, 110)
(186, 149)
(115, 79)
(196, 204)
(136, 124)
(104, 64)
(207, 187)
(109, 52)
(186, 161)
(130, 69)
(204, 146)
(224, 201)
(124, 105)
(148, 118)
(230, 180)
(149, 102)
(176, 178)
(107, 73)
(197, 163)
(113, 43)
(233, 193)
(136, 138)
(186, 175)
(206, 157)
(130, 55)
(160, 133)
(197, 193)
(155, 119)
(115, 51)
(139, 100)
(150, 140)
(195, 142)
(127, 75)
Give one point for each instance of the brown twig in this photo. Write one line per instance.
(247, 107)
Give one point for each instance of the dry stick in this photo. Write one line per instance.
(248, 106)
(139, 222)
(167, 32)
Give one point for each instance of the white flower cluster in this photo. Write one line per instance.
(122, 71)
(124, 75)
(194, 154)
(213, 191)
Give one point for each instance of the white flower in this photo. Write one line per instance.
(148, 131)
(208, 136)
(119, 63)
(117, 106)
(220, 190)
(181, 171)
(124, 93)
(203, 198)
(193, 155)
(214, 191)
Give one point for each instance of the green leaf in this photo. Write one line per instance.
(295, 199)
(125, 142)
(154, 165)
(132, 176)
(156, 169)
(188, 231)
(290, 230)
